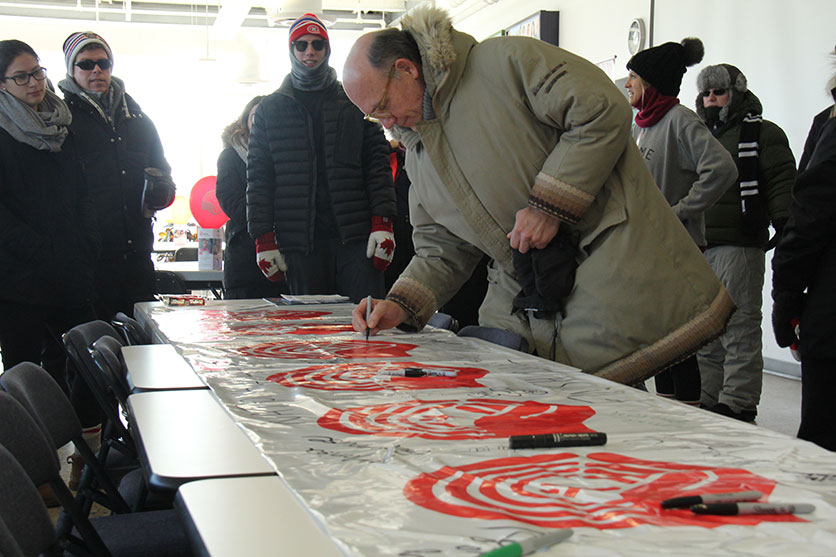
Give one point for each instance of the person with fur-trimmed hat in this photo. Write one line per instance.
(320, 198)
(737, 232)
(504, 155)
(691, 168)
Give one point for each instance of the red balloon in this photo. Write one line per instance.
(204, 204)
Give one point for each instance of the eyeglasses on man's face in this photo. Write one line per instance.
(717, 92)
(23, 78)
(87, 65)
(302, 46)
(379, 111)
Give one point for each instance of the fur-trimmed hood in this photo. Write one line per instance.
(433, 31)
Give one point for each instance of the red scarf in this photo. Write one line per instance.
(654, 106)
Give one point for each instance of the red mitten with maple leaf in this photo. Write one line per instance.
(381, 246)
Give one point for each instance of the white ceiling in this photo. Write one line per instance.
(340, 14)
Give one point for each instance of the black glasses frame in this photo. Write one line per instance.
(302, 46)
(717, 92)
(39, 75)
(87, 65)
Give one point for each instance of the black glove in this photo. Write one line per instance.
(787, 307)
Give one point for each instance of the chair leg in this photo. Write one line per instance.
(90, 538)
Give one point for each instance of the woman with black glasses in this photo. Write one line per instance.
(48, 237)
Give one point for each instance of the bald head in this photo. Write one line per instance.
(382, 76)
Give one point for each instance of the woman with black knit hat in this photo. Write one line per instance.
(691, 168)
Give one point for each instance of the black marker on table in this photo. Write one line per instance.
(690, 500)
(753, 508)
(548, 440)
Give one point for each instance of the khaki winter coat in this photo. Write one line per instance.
(521, 123)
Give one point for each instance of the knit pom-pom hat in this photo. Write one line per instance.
(663, 66)
(75, 42)
(307, 24)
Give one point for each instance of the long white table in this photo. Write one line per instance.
(158, 367)
(186, 435)
(259, 515)
(391, 465)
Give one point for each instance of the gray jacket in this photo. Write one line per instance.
(689, 165)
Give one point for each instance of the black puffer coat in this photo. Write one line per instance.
(48, 236)
(282, 170)
(806, 256)
(115, 156)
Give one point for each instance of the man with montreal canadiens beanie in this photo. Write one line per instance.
(320, 199)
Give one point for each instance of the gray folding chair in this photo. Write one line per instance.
(25, 526)
(158, 533)
(444, 321)
(47, 404)
(78, 341)
(131, 330)
(496, 336)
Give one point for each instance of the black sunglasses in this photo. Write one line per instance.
(87, 65)
(302, 46)
(717, 92)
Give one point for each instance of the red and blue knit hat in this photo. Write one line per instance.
(307, 24)
(75, 42)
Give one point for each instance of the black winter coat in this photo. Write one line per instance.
(282, 170)
(114, 156)
(48, 234)
(806, 256)
(240, 268)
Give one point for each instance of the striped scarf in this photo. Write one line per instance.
(752, 210)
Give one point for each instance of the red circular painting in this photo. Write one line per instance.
(431, 419)
(599, 490)
(327, 350)
(294, 329)
(356, 376)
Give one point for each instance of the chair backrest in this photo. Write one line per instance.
(107, 355)
(169, 282)
(25, 526)
(496, 336)
(20, 434)
(43, 398)
(29, 446)
(444, 321)
(131, 330)
(185, 254)
(8, 544)
(78, 341)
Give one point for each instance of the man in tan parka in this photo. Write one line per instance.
(508, 140)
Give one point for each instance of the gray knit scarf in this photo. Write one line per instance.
(44, 129)
(312, 79)
(110, 105)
